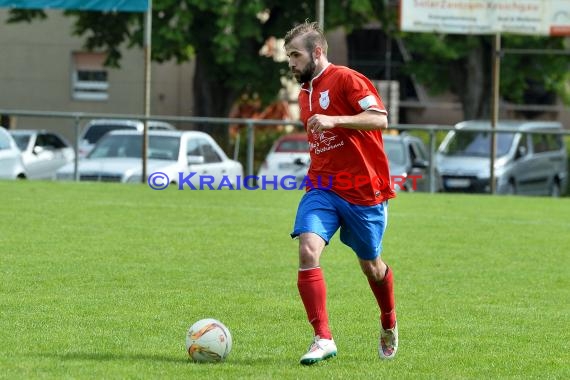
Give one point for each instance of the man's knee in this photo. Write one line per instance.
(310, 249)
(374, 269)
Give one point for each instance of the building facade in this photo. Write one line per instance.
(44, 68)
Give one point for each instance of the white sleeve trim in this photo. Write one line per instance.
(376, 109)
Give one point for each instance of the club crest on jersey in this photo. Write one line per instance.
(324, 100)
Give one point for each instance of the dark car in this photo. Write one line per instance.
(409, 162)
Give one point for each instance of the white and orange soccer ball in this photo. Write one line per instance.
(208, 341)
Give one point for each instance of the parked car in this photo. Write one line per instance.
(97, 128)
(117, 157)
(407, 155)
(288, 156)
(11, 163)
(525, 163)
(408, 159)
(42, 152)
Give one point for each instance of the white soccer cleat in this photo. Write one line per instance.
(319, 350)
(388, 342)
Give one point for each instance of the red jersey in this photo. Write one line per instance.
(350, 162)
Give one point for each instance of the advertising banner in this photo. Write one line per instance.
(528, 17)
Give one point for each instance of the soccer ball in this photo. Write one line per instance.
(208, 341)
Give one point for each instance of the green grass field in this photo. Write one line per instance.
(101, 281)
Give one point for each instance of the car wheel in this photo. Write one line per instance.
(555, 190)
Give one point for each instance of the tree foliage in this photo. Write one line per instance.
(536, 78)
(225, 37)
(462, 64)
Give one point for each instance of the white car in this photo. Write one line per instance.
(97, 128)
(11, 164)
(176, 157)
(43, 152)
(289, 156)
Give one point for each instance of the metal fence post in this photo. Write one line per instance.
(237, 143)
(250, 149)
(76, 159)
(432, 160)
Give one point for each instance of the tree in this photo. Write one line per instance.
(224, 37)
(460, 64)
(535, 78)
(463, 65)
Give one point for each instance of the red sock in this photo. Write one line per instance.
(312, 288)
(384, 293)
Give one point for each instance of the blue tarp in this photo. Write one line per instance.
(81, 5)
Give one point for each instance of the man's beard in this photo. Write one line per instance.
(307, 74)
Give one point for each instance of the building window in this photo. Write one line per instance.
(89, 76)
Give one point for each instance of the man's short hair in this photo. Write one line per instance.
(312, 33)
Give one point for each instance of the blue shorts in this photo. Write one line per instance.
(361, 227)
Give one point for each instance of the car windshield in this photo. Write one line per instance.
(96, 131)
(22, 141)
(130, 146)
(477, 144)
(292, 146)
(396, 151)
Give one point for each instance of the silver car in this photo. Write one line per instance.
(177, 157)
(408, 158)
(43, 152)
(529, 160)
(11, 164)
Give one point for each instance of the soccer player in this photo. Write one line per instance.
(348, 184)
